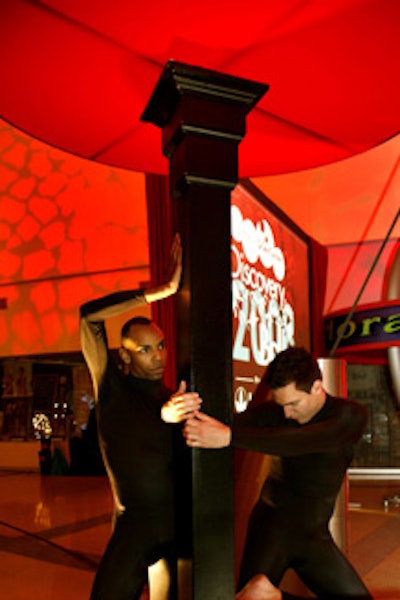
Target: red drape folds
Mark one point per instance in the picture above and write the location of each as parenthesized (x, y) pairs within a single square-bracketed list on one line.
[(318, 271), (161, 224)]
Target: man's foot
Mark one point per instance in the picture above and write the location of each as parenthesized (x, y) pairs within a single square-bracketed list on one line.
[(259, 588)]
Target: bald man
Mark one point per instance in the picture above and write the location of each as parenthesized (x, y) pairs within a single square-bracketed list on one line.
[(138, 422)]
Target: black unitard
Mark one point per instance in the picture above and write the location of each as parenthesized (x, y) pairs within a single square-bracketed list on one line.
[(138, 450), (289, 526)]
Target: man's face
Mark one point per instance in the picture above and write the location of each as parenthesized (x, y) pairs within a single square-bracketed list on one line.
[(297, 404), (147, 351)]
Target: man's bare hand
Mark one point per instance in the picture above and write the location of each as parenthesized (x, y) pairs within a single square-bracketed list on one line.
[(203, 431), (182, 405), (175, 263), (174, 275)]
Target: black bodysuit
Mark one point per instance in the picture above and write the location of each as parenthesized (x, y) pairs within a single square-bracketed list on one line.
[(138, 451), (289, 526)]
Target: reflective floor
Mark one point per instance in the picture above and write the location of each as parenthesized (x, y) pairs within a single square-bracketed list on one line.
[(53, 530), (374, 536)]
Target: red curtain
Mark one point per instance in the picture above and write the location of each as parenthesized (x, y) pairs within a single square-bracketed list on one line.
[(318, 271), (161, 224)]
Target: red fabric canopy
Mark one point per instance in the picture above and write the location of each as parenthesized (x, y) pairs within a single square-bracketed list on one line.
[(78, 75)]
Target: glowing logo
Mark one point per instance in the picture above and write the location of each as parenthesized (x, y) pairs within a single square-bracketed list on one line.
[(264, 318), (258, 242)]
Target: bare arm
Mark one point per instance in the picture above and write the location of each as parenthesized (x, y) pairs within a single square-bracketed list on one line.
[(118, 303), (172, 284)]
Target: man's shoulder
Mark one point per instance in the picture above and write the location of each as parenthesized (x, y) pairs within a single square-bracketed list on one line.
[(347, 406), (343, 401)]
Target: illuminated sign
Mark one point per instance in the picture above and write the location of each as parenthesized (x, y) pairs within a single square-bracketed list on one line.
[(371, 326), (270, 291)]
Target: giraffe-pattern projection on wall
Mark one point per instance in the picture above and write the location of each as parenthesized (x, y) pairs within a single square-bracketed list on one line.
[(70, 229)]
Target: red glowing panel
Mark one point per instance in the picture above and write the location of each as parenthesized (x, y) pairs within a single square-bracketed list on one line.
[(89, 68), (351, 272), (43, 296), (70, 230), (351, 201), (53, 328)]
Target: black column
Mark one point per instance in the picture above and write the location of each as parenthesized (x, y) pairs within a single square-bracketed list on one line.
[(202, 114)]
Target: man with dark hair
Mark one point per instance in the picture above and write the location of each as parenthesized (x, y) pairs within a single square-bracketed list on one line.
[(311, 437), (138, 425)]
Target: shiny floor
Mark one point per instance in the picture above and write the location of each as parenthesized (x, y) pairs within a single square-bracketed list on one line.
[(53, 530)]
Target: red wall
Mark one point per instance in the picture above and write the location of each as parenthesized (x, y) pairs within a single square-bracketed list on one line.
[(70, 230)]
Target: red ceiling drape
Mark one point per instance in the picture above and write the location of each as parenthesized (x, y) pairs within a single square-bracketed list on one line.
[(79, 74)]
